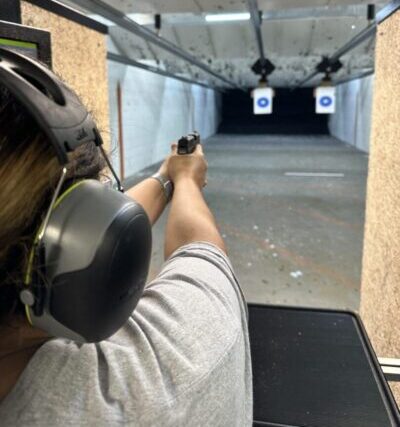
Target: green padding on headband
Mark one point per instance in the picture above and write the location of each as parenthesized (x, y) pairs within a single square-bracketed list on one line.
[(17, 43)]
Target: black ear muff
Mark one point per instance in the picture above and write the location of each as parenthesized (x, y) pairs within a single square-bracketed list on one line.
[(90, 259), (97, 255)]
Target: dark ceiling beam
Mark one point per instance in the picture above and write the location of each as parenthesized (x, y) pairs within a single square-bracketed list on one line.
[(119, 18), (263, 66), (131, 62)]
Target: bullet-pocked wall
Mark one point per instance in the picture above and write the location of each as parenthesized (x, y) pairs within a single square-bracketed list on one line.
[(351, 122), (79, 58), (151, 112), (380, 292)]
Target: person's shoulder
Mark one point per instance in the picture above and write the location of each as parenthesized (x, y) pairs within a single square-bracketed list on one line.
[(202, 250), (195, 304), (205, 265), (197, 278), (52, 381)]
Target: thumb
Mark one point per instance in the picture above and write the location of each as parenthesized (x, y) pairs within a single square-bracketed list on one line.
[(199, 149)]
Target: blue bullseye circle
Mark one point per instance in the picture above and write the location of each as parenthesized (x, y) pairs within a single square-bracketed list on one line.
[(326, 101), (263, 102)]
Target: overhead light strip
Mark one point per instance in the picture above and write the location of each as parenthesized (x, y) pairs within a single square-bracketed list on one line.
[(225, 17)]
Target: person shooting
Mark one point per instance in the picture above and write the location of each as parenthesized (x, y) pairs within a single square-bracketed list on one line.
[(83, 340)]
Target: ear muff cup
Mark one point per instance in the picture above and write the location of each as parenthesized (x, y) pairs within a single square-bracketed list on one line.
[(97, 252)]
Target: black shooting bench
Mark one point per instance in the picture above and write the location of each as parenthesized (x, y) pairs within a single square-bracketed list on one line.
[(316, 368)]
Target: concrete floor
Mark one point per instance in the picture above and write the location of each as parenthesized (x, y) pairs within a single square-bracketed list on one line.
[(292, 240)]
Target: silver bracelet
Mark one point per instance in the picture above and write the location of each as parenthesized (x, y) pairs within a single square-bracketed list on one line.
[(166, 185)]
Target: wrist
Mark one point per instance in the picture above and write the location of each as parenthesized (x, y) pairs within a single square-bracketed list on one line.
[(164, 172), (185, 181), (165, 184)]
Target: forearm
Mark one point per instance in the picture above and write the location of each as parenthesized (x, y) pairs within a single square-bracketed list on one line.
[(150, 195), (190, 220)]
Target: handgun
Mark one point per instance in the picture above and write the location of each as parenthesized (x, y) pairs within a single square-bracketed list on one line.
[(187, 144)]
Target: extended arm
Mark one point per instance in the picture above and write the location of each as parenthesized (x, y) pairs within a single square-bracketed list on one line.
[(150, 195), (190, 220)]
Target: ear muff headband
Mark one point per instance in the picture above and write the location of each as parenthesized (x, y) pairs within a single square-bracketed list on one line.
[(28, 274), (56, 108)]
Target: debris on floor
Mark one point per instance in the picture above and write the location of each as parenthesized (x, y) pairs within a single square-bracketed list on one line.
[(296, 274)]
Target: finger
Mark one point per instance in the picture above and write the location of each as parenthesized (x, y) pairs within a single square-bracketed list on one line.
[(174, 148), (199, 149)]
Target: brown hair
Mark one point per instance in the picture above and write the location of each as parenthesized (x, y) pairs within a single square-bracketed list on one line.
[(29, 171)]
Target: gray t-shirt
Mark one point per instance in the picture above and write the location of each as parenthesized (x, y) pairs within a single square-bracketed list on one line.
[(182, 359)]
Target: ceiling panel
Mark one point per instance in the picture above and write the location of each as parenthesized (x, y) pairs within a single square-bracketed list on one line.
[(331, 34), (287, 38), (225, 41)]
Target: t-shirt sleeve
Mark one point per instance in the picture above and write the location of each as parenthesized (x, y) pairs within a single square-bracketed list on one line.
[(182, 358), (197, 288), (203, 270), (190, 329), (195, 302)]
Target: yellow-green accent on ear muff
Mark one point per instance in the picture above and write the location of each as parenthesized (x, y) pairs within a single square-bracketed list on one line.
[(28, 274), (28, 314), (67, 192)]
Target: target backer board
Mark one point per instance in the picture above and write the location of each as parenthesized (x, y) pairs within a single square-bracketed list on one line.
[(262, 100), (325, 100)]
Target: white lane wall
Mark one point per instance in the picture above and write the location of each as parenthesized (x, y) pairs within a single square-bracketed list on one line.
[(352, 121), (155, 112)]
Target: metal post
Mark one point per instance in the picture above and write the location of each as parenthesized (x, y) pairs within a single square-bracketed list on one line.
[(120, 134), (256, 20), (122, 20)]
